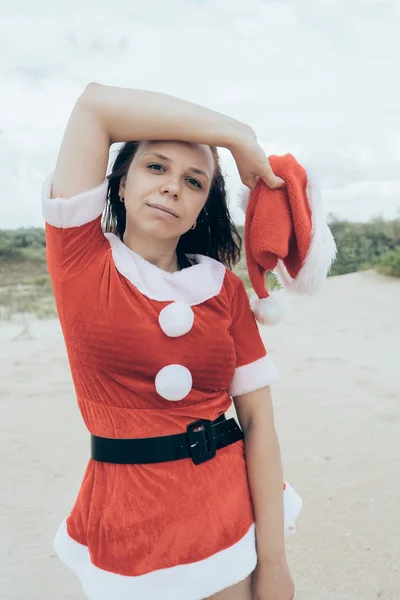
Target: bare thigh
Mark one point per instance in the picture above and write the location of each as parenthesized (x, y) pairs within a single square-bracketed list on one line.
[(240, 591)]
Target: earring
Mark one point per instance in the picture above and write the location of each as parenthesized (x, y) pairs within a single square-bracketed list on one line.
[(194, 226), (121, 199)]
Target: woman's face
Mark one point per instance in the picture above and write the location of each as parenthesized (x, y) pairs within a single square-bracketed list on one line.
[(167, 176)]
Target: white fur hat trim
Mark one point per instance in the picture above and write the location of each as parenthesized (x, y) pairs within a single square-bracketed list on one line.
[(243, 197), (269, 311), (322, 251)]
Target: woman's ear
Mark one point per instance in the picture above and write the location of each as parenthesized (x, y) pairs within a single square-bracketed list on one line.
[(122, 186)]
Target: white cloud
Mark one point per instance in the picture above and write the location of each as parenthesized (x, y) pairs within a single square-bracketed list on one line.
[(313, 78)]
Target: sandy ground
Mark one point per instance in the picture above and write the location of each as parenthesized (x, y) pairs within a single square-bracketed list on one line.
[(337, 413)]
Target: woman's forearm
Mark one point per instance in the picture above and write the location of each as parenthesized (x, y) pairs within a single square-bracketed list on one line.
[(131, 114), (264, 467)]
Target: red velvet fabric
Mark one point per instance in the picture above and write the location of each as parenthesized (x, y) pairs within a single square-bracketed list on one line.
[(139, 518)]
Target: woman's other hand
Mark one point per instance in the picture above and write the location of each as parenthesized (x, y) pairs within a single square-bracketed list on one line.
[(252, 162)]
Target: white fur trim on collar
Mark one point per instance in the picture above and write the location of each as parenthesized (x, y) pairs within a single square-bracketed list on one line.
[(322, 250), (193, 285), (75, 211)]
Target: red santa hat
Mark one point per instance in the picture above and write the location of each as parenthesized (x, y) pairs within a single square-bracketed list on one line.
[(285, 231)]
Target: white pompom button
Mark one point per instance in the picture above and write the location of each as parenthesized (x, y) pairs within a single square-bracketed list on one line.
[(176, 319), (173, 382)]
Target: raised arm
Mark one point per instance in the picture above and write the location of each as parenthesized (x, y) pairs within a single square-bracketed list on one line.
[(104, 115)]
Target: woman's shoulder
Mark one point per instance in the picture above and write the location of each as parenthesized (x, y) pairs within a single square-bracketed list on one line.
[(233, 280), (232, 283)]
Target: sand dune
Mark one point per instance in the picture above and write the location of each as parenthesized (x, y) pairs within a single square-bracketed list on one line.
[(337, 412)]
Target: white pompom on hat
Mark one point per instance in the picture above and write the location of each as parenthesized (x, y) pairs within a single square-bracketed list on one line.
[(286, 231)]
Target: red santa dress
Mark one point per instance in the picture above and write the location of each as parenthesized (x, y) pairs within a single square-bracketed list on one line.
[(150, 352)]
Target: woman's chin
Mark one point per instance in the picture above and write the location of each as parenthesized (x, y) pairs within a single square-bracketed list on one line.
[(163, 230)]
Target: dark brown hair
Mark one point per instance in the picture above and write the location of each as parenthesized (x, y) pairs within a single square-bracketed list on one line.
[(215, 234)]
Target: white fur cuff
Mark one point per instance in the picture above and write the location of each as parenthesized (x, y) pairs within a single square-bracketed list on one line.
[(255, 375), (75, 211)]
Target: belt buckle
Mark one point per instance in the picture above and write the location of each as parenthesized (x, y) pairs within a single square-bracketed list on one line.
[(201, 447)]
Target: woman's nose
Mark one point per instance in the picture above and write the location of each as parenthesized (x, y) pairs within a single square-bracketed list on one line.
[(172, 187)]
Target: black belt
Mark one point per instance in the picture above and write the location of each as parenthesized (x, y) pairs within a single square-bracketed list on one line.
[(200, 442)]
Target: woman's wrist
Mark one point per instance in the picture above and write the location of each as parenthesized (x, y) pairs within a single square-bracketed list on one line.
[(271, 547), (240, 134), (273, 557)]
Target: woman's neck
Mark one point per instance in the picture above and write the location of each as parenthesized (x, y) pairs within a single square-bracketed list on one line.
[(161, 253)]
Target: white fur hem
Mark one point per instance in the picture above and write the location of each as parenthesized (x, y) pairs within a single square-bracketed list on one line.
[(255, 375), (322, 251), (193, 581), (75, 211)]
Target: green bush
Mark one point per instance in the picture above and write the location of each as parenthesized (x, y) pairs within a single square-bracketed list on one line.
[(24, 237), (8, 251), (22, 244), (361, 245), (389, 263)]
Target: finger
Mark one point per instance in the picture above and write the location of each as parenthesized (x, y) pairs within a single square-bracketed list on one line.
[(272, 180), (277, 183)]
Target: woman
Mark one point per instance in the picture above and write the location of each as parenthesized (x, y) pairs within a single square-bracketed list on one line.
[(160, 335)]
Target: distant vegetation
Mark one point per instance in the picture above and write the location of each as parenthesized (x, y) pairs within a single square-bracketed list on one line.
[(372, 245), (25, 286)]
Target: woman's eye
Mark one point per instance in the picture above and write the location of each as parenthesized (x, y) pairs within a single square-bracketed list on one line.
[(155, 165), (195, 182)]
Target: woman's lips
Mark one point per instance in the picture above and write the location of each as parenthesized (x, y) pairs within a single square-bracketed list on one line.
[(163, 210)]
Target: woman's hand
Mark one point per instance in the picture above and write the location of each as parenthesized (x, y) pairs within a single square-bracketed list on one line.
[(272, 581), (252, 162)]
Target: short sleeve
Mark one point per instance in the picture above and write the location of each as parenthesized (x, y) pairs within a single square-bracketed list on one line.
[(74, 234), (254, 367)]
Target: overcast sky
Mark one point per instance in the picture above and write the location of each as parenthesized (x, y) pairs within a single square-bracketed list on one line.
[(315, 78)]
